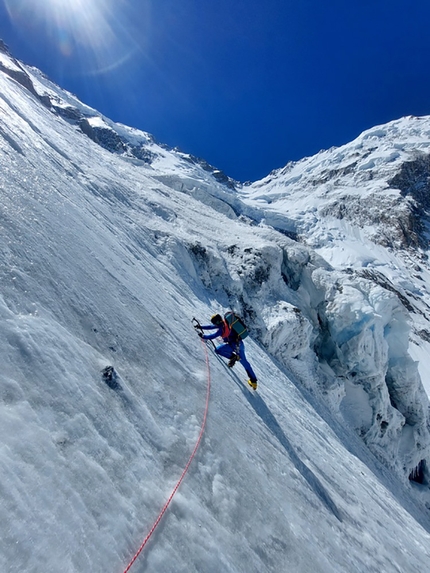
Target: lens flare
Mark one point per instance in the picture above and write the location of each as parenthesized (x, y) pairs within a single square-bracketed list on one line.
[(105, 31)]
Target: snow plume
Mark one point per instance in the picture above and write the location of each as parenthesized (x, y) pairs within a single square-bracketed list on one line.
[(110, 244)]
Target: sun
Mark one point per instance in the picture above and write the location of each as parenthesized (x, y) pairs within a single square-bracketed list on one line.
[(84, 22), (102, 30)]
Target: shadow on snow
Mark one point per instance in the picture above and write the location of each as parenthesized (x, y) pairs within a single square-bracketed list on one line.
[(267, 417)]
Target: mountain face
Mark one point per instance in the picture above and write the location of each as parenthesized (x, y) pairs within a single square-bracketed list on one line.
[(379, 183), (111, 243), (364, 208)]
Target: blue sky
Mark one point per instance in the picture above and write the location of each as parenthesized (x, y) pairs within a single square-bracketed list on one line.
[(247, 85)]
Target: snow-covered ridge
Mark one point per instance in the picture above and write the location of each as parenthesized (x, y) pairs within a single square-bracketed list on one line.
[(106, 257), (372, 182), (364, 207)]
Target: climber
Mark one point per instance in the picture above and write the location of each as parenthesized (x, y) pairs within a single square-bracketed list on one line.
[(233, 347)]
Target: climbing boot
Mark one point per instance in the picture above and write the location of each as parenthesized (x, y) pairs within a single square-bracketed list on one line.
[(253, 383)]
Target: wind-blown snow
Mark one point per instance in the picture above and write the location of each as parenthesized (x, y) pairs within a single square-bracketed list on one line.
[(106, 258)]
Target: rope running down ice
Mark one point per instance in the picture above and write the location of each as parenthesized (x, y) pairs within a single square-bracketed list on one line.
[(175, 489)]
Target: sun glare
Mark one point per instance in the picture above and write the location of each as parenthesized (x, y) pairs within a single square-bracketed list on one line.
[(99, 28)]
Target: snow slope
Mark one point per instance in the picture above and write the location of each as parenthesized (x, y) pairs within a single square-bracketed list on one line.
[(364, 206), (106, 258)]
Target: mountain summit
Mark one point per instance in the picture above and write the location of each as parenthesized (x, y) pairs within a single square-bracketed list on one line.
[(111, 243)]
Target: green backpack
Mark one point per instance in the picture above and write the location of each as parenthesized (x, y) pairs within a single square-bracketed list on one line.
[(236, 324)]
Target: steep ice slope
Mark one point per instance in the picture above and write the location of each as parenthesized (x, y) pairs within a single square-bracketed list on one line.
[(105, 260), (364, 208)]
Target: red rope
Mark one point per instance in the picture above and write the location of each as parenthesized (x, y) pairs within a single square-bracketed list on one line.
[(175, 489)]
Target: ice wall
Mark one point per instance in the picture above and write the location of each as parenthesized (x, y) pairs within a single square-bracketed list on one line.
[(339, 333)]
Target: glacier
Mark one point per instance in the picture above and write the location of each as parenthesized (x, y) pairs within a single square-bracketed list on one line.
[(111, 242)]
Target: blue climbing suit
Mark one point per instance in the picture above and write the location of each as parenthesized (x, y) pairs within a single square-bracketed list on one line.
[(231, 346)]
